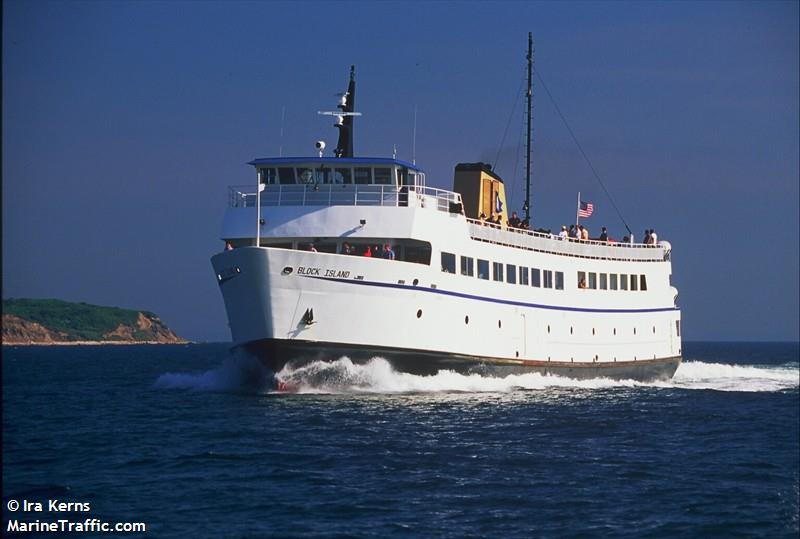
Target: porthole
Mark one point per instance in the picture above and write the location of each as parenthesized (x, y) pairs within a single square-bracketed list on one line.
[(570, 330), (634, 331), (593, 331), (654, 330), (415, 282), (517, 353), (615, 331), (466, 319), (499, 324), (548, 329), (419, 313)]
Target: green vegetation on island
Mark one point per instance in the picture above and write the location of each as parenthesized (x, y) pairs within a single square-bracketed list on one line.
[(45, 320)]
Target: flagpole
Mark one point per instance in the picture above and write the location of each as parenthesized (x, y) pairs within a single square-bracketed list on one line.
[(577, 211)]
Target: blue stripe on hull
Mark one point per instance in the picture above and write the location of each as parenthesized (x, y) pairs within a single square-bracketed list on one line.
[(488, 299)]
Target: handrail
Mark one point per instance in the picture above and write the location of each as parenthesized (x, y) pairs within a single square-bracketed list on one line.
[(558, 238), (244, 196), (550, 243)]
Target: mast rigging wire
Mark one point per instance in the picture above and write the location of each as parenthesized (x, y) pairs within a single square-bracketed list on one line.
[(510, 117), (583, 153)]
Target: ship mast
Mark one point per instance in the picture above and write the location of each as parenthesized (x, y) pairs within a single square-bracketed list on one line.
[(527, 206)]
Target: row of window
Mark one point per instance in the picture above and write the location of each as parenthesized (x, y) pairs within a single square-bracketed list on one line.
[(509, 273), (611, 281), (339, 175)]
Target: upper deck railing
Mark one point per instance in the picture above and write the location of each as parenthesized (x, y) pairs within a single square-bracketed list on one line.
[(244, 196), (550, 243)]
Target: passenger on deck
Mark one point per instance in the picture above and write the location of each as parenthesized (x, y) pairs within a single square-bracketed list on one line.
[(653, 237), (312, 248), (368, 252), (514, 220), (603, 235), (347, 249), (573, 232), (584, 232), (646, 237), (387, 252), (582, 283), (228, 246), (563, 234)]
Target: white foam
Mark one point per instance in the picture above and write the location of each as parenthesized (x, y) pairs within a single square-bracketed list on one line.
[(378, 376), (245, 373)]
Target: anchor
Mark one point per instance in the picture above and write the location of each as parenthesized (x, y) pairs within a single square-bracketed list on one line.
[(308, 317)]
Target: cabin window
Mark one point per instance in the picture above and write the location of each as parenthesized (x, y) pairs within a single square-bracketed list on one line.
[(497, 272), (342, 175), (305, 175), (592, 280), (383, 175), (581, 279), (523, 275), (418, 252), (603, 281), (559, 280), (322, 175), (467, 266), (536, 277), (623, 282), (548, 278), (511, 273), (268, 176), (325, 247), (678, 328), (286, 175), (448, 262), (483, 269), (634, 282), (613, 281), (642, 283), (363, 175)]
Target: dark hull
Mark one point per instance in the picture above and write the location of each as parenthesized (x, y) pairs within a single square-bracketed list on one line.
[(276, 354)]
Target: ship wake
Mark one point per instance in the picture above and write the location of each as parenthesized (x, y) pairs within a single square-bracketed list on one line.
[(243, 373), (378, 376)]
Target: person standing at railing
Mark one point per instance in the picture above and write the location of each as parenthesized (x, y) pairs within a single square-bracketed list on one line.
[(563, 234), (653, 237), (603, 235), (387, 252)]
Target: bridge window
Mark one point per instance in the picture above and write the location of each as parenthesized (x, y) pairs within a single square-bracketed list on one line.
[(548, 278), (342, 175), (467, 266), (268, 175), (523, 275), (383, 175), (483, 269), (511, 273), (536, 277), (448, 262), (286, 175), (497, 272), (305, 175), (559, 280), (363, 175)]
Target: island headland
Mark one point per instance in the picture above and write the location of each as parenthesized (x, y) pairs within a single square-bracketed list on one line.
[(58, 322)]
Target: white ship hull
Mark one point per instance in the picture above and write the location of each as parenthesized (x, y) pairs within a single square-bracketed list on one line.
[(365, 307)]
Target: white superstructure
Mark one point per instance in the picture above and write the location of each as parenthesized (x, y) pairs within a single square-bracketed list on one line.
[(455, 292)]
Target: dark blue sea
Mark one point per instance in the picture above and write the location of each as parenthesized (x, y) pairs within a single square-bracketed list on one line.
[(191, 441)]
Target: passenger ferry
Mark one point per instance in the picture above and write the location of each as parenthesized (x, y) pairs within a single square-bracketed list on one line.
[(331, 256)]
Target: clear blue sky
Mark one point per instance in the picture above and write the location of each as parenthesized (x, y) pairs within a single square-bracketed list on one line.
[(124, 122)]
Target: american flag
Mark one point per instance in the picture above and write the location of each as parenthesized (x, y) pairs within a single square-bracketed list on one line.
[(585, 209)]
